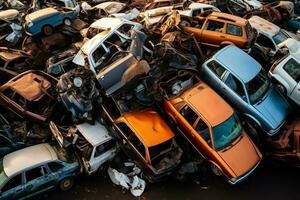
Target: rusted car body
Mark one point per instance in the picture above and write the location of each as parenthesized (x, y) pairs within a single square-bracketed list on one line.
[(15, 60), (221, 29), (286, 147), (155, 151), (30, 95), (230, 151)]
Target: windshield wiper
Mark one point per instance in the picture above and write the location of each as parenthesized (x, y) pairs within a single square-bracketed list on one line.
[(233, 143)]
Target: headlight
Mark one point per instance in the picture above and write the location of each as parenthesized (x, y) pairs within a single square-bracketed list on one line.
[(30, 24)]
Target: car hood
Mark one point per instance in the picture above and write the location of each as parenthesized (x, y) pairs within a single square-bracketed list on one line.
[(242, 157), (274, 108)]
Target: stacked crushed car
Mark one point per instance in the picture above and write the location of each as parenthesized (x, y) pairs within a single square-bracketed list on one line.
[(145, 91)]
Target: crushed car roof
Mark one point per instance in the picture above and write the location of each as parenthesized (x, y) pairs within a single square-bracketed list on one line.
[(264, 26), (31, 86), (243, 66), (204, 100), (149, 127), (28, 157), (94, 134), (111, 7)]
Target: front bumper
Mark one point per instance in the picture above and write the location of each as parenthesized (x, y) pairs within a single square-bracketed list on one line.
[(234, 181)]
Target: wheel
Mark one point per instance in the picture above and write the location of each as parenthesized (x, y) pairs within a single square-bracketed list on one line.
[(66, 183), (280, 88), (185, 23), (67, 22), (215, 170), (47, 30)]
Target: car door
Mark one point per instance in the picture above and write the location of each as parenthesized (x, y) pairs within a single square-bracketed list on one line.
[(36, 180), (102, 154), (13, 188), (234, 91), (213, 33)]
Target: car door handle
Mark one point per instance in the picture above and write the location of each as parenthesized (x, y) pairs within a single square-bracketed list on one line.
[(19, 190)]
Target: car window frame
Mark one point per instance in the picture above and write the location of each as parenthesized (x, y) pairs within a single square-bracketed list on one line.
[(244, 87), (206, 23), (211, 145), (22, 181)]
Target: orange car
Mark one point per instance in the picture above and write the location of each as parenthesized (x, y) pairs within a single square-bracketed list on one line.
[(221, 29), (213, 129), (147, 140)]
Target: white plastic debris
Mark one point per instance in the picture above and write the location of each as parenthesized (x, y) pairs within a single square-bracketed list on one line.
[(85, 6), (131, 182), (14, 36), (16, 4)]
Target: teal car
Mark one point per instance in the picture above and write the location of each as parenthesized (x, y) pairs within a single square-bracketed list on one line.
[(45, 20), (34, 170)]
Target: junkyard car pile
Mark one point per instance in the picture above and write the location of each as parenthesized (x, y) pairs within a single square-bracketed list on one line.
[(145, 91)]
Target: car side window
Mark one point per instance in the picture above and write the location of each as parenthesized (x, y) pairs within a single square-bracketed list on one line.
[(12, 183), (189, 115), (234, 30), (34, 173), (99, 54), (235, 85), (104, 148), (9, 92), (203, 130), (215, 26), (132, 138), (216, 68), (135, 141), (292, 67), (125, 29), (196, 12), (55, 166), (265, 41)]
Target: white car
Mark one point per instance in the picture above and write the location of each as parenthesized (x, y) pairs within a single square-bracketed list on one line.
[(269, 35), (93, 144), (101, 33), (286, 70)]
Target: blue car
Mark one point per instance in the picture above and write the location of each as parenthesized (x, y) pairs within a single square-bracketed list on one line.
[(245, 85), (33, 170), (45, 20)]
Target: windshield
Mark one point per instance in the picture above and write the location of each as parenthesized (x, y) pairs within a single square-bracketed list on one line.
[(280, 37), (3, 176), (258, 87), (225, 133)]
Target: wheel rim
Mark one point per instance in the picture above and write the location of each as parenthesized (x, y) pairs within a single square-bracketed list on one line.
[(216, 170), (67, 22), (48, 30), (280, 88)]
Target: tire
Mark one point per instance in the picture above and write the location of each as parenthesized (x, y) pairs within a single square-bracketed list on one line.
[(66, 183), (216, 170), (280, 88), (185, 23), (67, 22), (47, 30)]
